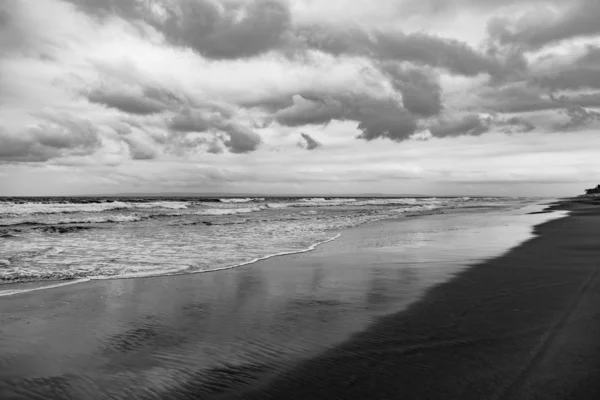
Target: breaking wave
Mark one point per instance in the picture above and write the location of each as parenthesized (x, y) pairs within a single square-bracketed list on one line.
[(12, 208), (179, 237), (242, 200), (24, 275), (73, 220)]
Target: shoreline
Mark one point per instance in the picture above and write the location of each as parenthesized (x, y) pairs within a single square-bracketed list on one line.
[(57, 284), (52, 284), (226, 334), (520, 326)]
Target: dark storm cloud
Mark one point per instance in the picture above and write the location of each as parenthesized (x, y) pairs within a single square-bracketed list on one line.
[(124, 8), (240, 139), (219, 30), (377, 118), (383, 120), (541, 27), (421, 94), (471, 125), (455, 56), (126, 102), (524, 98), (518, 97), (134, 100), (49, 140), (313, 109), (218, 33), (310, 143)]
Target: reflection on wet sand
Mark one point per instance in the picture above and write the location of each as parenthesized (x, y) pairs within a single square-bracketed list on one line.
[(212, 334)]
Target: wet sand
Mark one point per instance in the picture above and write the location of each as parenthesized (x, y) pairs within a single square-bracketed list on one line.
[(522, 326), (360, 317)]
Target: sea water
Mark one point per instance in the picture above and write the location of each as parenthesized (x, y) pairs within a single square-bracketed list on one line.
[(69, 239)]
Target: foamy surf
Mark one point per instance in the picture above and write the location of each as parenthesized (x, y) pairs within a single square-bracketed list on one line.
[(172, 237), (184, 271)]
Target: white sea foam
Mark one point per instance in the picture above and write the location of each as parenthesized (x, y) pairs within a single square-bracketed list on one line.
[(167, 246), (11, 208), (170, 205), (230, 211), (127, 272), (241, 200), (85, 219), (51, 208)]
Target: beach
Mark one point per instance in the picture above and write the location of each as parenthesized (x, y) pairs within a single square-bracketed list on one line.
[(454, 305)]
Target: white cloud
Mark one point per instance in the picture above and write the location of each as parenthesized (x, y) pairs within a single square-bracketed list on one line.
[(128, 77)]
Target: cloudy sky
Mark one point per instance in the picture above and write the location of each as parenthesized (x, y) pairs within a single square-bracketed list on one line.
[(299, 96)]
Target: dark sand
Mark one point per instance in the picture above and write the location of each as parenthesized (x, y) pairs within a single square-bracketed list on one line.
[(522, 326), (360, 318)]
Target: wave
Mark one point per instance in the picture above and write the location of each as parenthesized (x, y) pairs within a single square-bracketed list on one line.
[(170, 205), (77, 220), (231, 211), (62, 229), (31, 254), (85, 276), (326, 200), (11, 208), (242, 200), (284, 253)]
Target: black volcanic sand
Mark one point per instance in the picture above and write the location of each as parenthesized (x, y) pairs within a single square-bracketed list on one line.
[(359, 318)]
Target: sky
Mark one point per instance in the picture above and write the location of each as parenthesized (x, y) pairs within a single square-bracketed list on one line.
[(299, 97)]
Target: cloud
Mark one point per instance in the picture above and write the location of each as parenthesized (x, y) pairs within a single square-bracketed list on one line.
[(471, 125), (150, 85), (309, 142), (581, 73), (237, 30), (51, 139), (140, 149), (515, 124), (547, 25), (239, 139), (218, 30), (421, 94), (433, 7), (385, 45), (376, 117), (242, 29), (12, 37), (578, 117), (128, 100), (513, 98)]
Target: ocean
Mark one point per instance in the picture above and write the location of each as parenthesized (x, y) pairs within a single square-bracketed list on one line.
[(66, 240)]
